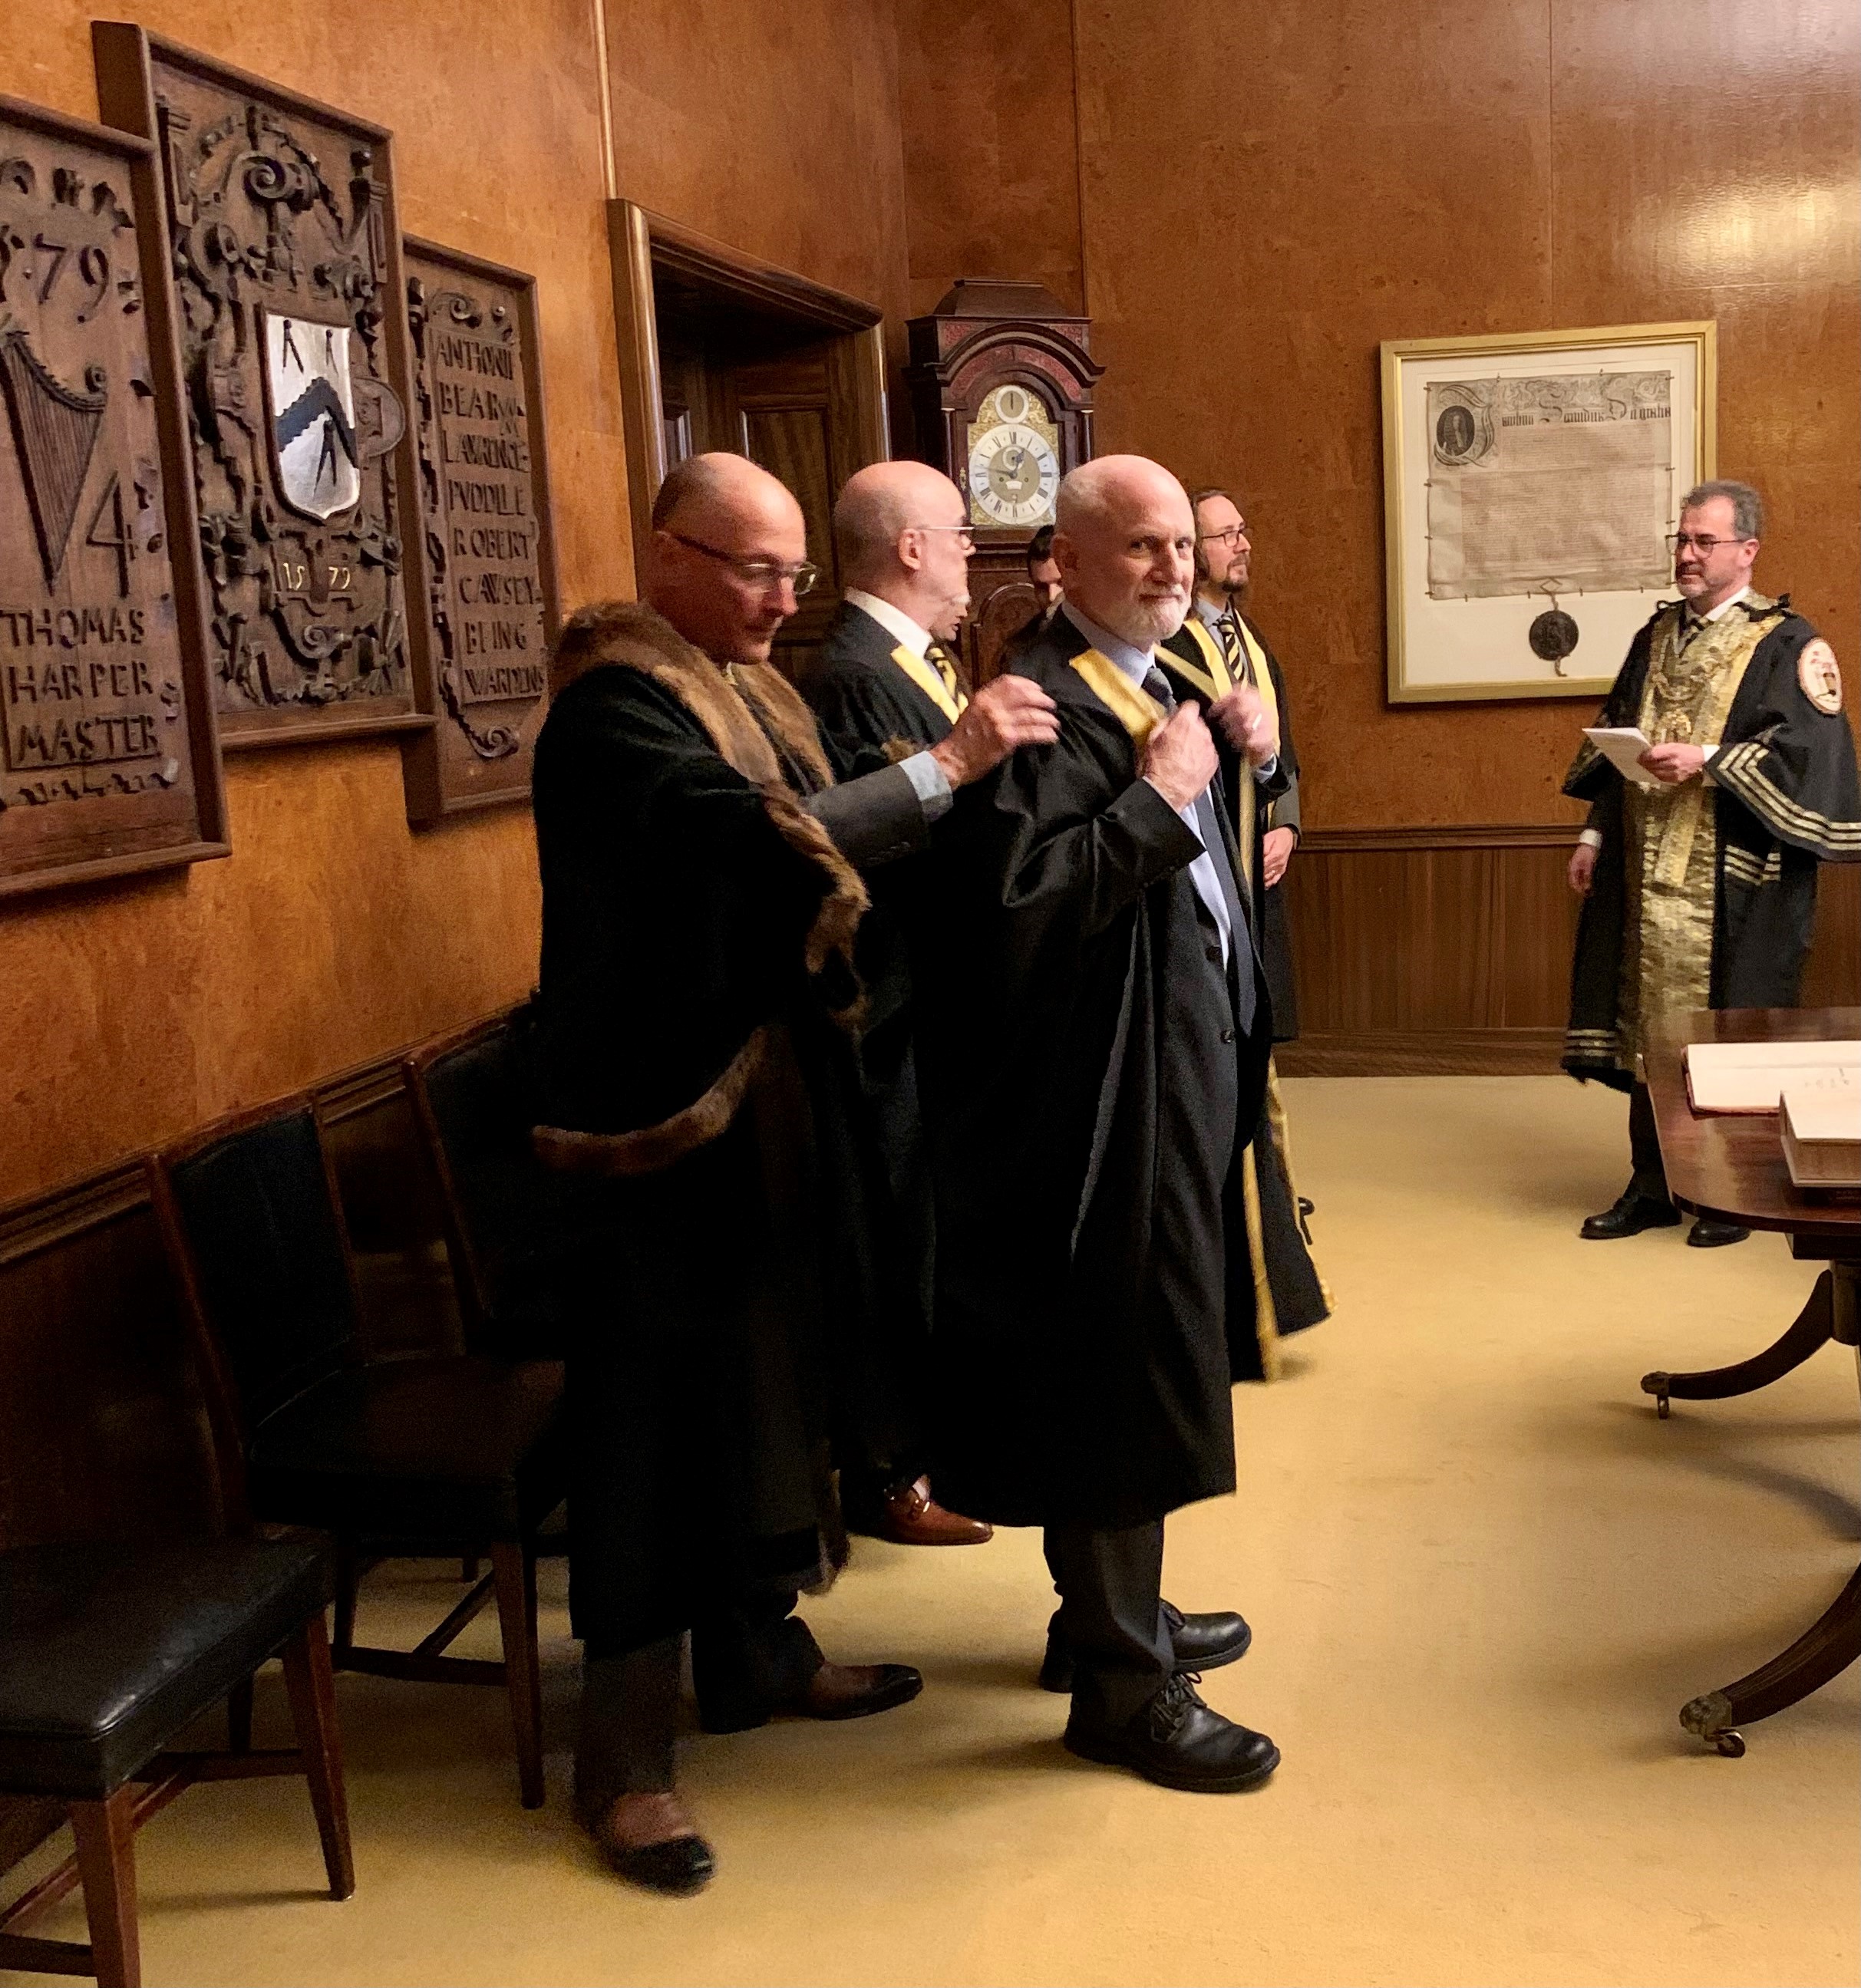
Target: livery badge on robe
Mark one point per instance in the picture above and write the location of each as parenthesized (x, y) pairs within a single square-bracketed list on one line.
[(1821, 680), (314, 444)]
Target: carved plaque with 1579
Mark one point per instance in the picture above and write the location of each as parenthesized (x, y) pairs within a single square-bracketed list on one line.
[(107, 761)]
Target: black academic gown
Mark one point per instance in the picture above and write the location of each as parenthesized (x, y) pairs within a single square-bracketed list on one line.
[(1298, 1296), (859, 692), (1785, 797), (867, 704), (1085, 1094), (695, 973)]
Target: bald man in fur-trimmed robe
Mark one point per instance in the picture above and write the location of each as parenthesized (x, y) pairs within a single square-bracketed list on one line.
[(702, 896)]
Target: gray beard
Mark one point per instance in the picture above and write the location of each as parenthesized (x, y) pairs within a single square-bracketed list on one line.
[(1146, 626)]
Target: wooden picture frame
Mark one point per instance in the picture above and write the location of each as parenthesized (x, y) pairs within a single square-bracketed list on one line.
[(483, 565), (1528, 481), (283, 296), (109, 763)]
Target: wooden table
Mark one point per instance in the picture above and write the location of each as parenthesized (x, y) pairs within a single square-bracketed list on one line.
[(1730, 1167)]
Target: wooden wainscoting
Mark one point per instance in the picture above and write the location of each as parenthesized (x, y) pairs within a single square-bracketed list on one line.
[(1421, 951)]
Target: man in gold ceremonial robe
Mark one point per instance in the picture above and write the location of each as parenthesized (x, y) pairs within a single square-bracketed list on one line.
[(1699, 887), (1216, 648)]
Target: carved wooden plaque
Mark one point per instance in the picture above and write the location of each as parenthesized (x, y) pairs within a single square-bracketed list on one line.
[(284, 289), (107, 764), (486, 556)]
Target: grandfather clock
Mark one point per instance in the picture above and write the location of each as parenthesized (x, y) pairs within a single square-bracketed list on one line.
[(1001, 388)]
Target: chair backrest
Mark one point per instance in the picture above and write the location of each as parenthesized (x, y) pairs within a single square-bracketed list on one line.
[(511, 1222), (251, 1214)]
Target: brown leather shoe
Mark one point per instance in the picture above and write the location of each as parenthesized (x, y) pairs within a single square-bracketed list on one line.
[(910, 1516), (652, 1841), (855, 1690)]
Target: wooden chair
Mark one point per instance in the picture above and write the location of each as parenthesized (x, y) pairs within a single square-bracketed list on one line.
[(511, 1222), (431, 1456), (107, 1653)]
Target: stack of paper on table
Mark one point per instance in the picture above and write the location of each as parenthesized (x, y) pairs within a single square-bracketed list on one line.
[(1750, 1077), (1820, 1122)]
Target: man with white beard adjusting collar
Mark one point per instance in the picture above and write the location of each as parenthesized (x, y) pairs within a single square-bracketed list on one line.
[(1094, 1037)]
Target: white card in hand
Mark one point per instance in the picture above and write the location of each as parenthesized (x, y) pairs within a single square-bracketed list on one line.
[(1622, 746)]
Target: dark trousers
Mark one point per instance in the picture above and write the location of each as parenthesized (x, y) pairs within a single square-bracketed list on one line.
[(748, 1659), (1111, 1614), (1650, 1180)]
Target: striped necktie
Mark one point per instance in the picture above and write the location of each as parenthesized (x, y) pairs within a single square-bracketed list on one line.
[(939, 657), (1231, 650)]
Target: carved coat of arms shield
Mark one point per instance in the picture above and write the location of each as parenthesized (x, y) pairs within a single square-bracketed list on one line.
[(314, 446)]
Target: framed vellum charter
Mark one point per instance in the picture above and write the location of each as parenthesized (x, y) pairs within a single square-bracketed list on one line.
[(1529, 484)]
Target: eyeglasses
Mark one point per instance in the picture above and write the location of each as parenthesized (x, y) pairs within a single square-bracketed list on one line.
[(1233, 536), (1702, 542), (966, 533), (767, 574)]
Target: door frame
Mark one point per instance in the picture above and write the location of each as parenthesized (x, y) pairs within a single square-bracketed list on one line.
[(640, 241)]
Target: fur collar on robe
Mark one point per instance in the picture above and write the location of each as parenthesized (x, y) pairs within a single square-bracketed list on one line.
[(639, 637), (727, 706)]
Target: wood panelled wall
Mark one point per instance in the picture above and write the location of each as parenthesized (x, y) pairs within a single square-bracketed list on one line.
[(1421, 950), (333, 932), (1247, 204)]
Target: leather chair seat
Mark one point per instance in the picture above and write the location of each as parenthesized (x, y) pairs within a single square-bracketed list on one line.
[(107, 1651), (445, 1453)]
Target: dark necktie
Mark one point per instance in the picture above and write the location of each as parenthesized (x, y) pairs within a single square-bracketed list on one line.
[(1232, 654), (1208, 825)]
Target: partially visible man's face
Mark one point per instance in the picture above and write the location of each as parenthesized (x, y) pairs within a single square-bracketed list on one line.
[(943, 561), (1706, 578), (1044, 577), (1130, 566), (1222, 532), (718, 572)]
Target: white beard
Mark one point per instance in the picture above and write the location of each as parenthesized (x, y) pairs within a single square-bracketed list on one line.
[(1146, 622)]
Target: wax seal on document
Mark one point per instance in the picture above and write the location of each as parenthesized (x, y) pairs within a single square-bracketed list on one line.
[(1553, 635)]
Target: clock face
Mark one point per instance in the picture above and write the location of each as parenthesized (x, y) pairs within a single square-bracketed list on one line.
[(1014, 465)]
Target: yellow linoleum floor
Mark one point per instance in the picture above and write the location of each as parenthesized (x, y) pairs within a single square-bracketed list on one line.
[(1483, 1579)]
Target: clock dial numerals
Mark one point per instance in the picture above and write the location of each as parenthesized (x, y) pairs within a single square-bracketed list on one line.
[(1013, 474)]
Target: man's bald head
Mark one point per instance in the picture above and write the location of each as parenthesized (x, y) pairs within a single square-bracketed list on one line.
[(1124, 539), (717, 487), (727, 539), (901, 529)]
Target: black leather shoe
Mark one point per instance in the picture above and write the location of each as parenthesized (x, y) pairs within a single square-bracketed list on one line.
[(672, 1858), (834, 1691), (1704, 1235), (1201, 1643), (678, 1867), (1177, 1742), (1629, 1216)]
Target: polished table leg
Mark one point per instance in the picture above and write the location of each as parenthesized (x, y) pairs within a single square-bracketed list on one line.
[(1812, 1330), (1828, 1647)]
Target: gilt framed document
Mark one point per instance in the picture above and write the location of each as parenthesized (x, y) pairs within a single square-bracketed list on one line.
[(1529, 484), (108, 764), (487, 560), (283, 296)]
